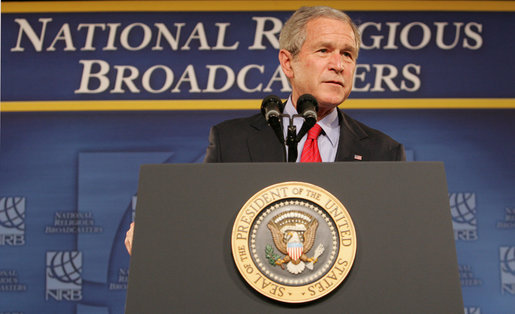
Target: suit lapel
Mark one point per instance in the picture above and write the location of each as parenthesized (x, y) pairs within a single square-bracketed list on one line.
[(350, 146), (263, 144)]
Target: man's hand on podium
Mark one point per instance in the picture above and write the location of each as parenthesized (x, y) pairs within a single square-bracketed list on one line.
[(128, 238)]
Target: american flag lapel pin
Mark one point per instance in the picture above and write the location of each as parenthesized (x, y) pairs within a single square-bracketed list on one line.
[(358, 157)]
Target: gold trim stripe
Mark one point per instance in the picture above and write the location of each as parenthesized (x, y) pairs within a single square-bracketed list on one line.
[(246, 104), (192, 6)]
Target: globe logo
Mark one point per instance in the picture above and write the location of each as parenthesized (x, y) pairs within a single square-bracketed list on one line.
[(64, 270), (463, 209), (12, 215), (508, 260)]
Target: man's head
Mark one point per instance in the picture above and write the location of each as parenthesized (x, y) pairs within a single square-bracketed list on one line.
[(293, 32), (319, 48)]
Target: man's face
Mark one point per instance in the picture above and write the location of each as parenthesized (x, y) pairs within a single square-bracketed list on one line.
[(325, 65)]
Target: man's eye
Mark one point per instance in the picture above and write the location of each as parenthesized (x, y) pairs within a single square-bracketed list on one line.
[(347, 55)]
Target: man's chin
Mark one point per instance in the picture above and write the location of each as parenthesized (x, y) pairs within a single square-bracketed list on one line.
[(329, 102), (330, 97)]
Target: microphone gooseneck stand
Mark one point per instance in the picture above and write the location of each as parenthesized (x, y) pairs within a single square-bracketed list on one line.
[(272, 108), (291, 138)]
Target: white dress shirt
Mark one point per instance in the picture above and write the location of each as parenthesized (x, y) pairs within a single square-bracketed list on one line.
[(328, 139)]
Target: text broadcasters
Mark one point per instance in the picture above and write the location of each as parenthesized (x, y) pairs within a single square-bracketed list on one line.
[(103, 75)]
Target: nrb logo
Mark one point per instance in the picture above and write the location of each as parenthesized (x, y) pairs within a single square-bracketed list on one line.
[(463, 212), (12, 221), (507, 259), (63, 275)]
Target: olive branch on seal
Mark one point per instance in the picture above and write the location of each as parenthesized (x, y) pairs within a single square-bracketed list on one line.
[(271, 256)]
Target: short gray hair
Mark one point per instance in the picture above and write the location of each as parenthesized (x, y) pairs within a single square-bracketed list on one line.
[(293, 34)]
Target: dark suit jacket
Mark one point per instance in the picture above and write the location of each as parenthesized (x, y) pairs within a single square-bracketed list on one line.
[(252, 140)]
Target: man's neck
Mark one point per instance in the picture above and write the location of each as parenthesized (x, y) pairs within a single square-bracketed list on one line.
[(323, 113)]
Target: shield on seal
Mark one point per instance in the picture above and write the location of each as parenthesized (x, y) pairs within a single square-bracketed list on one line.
[(295, 250)]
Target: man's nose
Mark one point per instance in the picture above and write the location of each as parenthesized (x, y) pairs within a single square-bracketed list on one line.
[(336, 62)]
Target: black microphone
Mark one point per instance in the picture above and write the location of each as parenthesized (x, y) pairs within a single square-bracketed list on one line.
[(272, 108), (307, 106)]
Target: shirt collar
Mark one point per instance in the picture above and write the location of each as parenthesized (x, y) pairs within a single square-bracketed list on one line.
[(330, 124)]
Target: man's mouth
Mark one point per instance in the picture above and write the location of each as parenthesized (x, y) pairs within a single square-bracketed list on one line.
[(335, 82)]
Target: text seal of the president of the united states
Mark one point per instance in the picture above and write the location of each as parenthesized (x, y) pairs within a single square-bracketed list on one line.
[(293, 242)]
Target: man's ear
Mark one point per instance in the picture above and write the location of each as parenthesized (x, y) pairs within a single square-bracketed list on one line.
[(286, 59)]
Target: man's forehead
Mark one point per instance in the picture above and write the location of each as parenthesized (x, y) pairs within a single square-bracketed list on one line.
[(321, 25), (326, 24)]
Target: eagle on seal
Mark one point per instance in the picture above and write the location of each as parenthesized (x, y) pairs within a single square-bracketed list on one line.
[(294, 234)]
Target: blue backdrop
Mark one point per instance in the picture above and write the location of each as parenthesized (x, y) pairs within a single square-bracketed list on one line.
[(62, 163)]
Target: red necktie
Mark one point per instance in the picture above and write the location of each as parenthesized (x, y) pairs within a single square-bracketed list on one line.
[(310, 151)]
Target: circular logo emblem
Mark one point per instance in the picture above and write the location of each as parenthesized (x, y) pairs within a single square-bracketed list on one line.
[(293, 242)]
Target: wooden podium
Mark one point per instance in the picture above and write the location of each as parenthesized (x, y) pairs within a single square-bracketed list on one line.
[(405, 260)]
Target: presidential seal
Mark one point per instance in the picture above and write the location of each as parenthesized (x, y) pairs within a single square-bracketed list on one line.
[(293, 242)]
